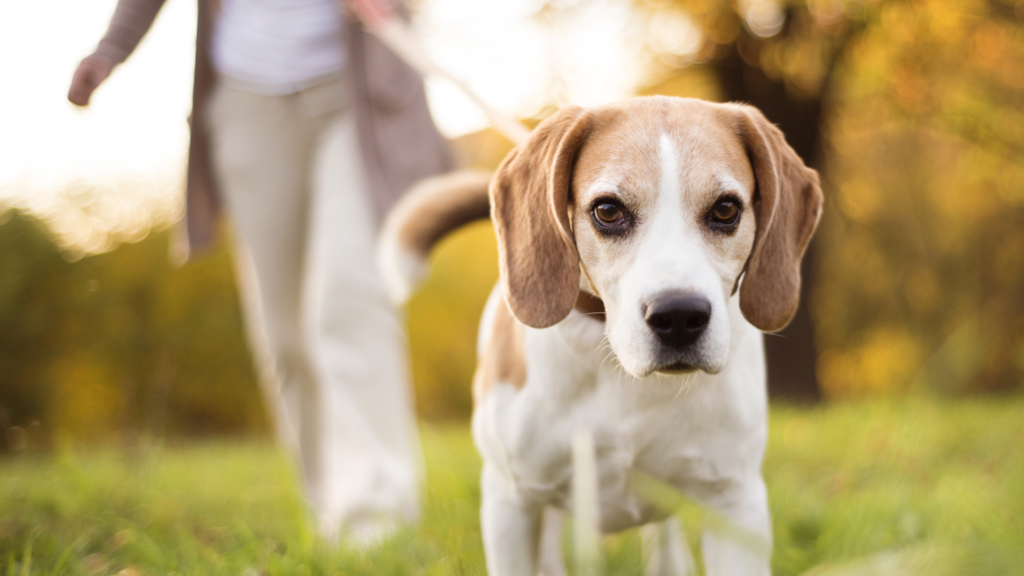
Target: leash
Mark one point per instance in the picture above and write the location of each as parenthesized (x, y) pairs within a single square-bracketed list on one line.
[(380, 20)]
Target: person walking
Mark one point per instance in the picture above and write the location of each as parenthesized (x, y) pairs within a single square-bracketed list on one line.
[(306, 129)]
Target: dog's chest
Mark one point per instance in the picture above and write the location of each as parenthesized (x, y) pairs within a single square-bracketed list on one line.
[(682, 437), (652, 433)]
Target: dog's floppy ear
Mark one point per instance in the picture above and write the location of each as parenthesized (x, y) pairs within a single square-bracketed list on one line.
[(788, 205), (537, 254)]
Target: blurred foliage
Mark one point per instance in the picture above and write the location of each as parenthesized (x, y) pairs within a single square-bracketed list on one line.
[(923, 266), (125, 343), (118, 342)]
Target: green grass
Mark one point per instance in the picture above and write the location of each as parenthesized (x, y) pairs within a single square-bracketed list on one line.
[(908, 487)]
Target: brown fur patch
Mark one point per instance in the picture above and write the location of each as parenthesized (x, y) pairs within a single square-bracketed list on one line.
[(504, 359), (790, 207), (590, 305), (539, 264), (439, 205)]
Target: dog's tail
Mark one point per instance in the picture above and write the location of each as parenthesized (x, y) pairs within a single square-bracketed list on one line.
[(430, 210)]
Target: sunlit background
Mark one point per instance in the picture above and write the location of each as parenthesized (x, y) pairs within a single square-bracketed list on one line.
[(107, 173), (111, 172), (912, 110)]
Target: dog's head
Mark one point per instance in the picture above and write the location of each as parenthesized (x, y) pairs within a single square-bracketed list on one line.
[(664, 204)]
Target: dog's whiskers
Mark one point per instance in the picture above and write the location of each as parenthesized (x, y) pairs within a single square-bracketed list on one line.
[(602, 346), (685, 384)]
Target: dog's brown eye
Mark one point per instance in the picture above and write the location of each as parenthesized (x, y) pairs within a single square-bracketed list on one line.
[(725, 211), (608, 213), (610, 218)]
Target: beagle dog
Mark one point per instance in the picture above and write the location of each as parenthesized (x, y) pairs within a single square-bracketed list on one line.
[(644, 246)]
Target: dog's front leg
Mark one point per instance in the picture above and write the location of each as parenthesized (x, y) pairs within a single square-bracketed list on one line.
[(666, 552), (549, 555), (511, 527), (743, 547)]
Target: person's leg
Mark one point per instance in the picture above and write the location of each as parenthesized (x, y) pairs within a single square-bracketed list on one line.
[(368, 445), (262, 154)]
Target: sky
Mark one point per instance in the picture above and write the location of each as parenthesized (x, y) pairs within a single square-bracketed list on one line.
[(110, 172)]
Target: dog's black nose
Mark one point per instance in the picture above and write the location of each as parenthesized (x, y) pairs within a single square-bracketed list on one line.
[(678, 318)]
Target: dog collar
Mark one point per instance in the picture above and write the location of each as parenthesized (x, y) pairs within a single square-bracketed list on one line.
[(590, 305)]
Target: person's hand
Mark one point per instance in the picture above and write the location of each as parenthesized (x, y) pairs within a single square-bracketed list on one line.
[(90, 74)]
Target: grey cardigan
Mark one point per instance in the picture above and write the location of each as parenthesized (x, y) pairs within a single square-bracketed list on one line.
[(399, 142)]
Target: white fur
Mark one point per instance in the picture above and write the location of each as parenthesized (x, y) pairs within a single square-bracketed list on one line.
[(703, 432), (401, 268), (404, 267)]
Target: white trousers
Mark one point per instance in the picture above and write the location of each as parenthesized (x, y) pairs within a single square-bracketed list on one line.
[(330, 349)]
